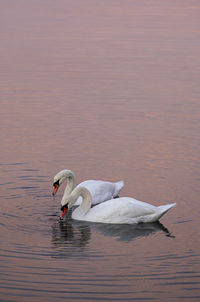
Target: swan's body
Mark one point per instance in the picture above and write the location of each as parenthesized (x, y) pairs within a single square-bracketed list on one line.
[(100, 190), (121, 210)]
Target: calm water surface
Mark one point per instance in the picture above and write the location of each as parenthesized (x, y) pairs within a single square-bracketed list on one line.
[(110, 90)]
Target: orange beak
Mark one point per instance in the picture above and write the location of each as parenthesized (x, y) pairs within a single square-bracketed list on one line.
[(63, 213), (56, 186)]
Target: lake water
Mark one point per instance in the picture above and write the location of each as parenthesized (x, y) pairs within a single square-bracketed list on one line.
[(108, 89)]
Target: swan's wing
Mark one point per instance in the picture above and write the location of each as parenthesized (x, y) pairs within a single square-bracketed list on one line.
[(100, 190), (119, 210)]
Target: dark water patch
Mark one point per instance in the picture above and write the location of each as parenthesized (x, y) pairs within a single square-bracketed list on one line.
[(25, 254), (31, 170), (12, 196), (8, 215), (31, 178), (13, 164), (183, 221), (7, 183), (24, 188), (176, 277), (196, 298), (171, 257), (179, 283)]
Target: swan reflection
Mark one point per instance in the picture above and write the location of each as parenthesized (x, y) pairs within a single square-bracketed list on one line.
[(66, 232), (129, 232), (77, 234)]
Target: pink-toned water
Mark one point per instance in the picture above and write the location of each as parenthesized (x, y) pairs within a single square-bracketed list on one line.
[(110, 90)]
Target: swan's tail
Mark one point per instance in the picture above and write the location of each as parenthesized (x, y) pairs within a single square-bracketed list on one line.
[(118, 186), (164, 209)]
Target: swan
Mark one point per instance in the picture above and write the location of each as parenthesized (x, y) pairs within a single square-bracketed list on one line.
[(123, 210), (99, 189)]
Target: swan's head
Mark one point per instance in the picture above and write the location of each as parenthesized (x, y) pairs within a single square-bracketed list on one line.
[(64, 210), (66, 204), (59, 178)]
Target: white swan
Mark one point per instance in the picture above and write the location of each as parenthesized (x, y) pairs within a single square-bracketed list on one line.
[(100, 190), (121, 210)]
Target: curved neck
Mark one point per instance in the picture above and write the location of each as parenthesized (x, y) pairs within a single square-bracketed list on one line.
[(70, 183), (86, 202)]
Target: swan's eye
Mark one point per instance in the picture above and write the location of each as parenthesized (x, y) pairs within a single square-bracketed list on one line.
[(56, 183), (64, 207), (56, 186)]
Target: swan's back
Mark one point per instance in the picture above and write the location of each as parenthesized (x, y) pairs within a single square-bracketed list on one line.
[(101, 190), (120, 210), (124, 210)]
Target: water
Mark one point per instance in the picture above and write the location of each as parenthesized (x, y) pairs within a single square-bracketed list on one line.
[(110, 90)]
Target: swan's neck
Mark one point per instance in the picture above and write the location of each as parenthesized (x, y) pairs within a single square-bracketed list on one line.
[(70, 184), (86, 202)]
